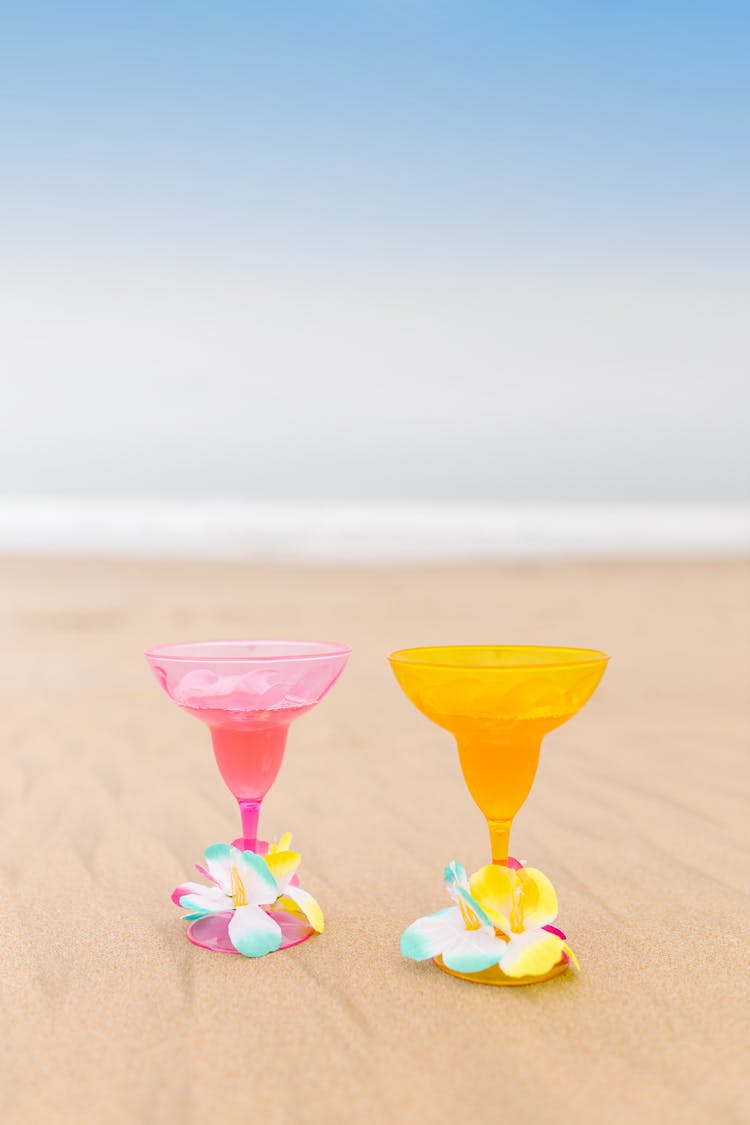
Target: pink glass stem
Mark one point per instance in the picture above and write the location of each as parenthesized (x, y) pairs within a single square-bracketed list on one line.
[(249, 812)]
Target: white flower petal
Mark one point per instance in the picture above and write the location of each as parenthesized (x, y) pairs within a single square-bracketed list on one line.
[(260, 886), (474, 950), (210, 901), (429, 936), (202, 891), (253, 933)]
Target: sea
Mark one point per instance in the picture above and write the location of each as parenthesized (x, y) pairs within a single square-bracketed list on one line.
[(366, 532)]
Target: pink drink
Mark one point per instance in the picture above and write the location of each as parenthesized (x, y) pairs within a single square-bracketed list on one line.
[(248, 746)]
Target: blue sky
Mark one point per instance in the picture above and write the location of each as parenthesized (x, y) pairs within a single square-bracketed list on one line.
[(466, 149), (589, 125)]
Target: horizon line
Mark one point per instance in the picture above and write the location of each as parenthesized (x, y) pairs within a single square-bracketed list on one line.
[(367, 530)]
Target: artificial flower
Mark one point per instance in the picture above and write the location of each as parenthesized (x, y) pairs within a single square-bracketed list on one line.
[(463, 935), (502, 917), (246, 885)]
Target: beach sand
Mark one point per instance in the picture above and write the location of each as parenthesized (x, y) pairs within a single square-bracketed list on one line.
[(108, 795)]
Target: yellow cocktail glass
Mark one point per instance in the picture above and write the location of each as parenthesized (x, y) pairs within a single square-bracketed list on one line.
[(498, 701)]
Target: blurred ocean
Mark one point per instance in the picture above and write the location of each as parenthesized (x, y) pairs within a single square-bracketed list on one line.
[(368, 532)]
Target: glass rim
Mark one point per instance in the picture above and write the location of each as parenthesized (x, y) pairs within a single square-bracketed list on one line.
[(324, 651), (585, 656)]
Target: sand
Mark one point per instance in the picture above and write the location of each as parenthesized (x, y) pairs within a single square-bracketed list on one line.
[(108, 794)]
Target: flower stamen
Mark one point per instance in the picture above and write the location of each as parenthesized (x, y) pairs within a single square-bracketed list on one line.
[(516, 914), (239, 897), (470, 919)]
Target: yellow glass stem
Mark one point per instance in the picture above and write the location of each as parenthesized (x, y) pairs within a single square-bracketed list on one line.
[(500, 840)]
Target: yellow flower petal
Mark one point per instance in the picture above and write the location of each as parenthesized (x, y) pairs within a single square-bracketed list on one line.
[(282, 866), (492, 886), (538, 901), (284, 844), (531, 954), (571, 954), (295, 898)]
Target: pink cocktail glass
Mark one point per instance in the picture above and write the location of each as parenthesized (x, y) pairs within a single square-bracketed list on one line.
[(247, 693)]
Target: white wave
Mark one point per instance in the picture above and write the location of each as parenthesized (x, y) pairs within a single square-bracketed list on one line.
[(367, 531)]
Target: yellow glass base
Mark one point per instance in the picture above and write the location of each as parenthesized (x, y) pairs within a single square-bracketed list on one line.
[(495, 975)]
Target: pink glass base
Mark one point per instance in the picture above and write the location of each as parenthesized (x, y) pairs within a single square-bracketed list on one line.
[(260, 847), (210, 932)]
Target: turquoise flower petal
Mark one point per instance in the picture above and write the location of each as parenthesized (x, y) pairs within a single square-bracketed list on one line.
[(472, 903), (219, 863), (457, 883), (253, 933), (199, 905), (455, 874), (428, 936), (477, 950)]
